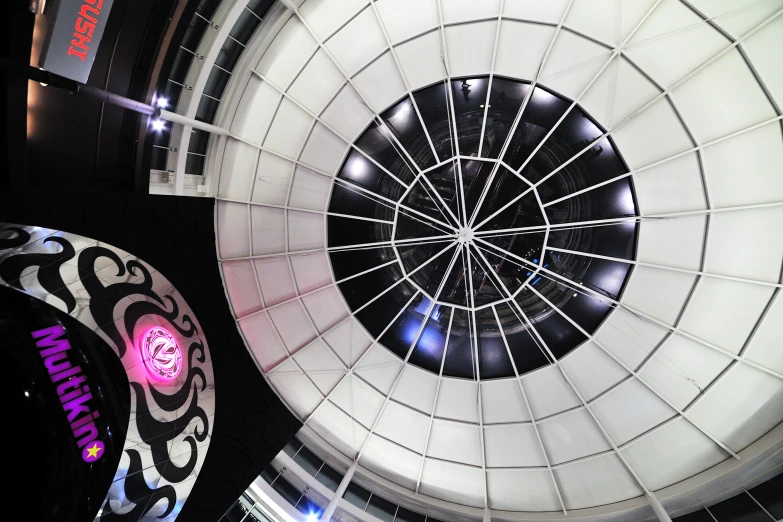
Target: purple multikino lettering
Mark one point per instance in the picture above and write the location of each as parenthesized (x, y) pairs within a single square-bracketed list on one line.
[(72, 388)]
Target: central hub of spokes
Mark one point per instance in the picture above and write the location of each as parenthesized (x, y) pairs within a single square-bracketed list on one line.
[(465, 236)]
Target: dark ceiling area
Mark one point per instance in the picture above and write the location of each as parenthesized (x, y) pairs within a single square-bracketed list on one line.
[(76, 164)]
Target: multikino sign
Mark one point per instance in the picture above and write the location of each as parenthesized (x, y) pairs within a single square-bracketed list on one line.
[(73, 390)]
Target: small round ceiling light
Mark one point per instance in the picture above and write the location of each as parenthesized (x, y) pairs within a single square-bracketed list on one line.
[(161, 354)]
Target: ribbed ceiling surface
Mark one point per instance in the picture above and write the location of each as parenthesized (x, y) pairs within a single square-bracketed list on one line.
[(514, 253)]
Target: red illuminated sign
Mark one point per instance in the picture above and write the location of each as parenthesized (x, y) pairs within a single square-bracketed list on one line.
[(85, 25)]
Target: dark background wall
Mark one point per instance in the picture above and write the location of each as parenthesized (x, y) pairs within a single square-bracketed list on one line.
[(176, 236)]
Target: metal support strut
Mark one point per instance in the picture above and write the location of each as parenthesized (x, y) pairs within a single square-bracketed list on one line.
[(329, 511)]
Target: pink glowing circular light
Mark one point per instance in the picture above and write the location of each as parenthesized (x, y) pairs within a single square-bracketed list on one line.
[(161, 353)]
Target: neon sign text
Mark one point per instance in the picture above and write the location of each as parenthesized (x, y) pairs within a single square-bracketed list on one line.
[(161, 354), (72, 388), (84, 28)]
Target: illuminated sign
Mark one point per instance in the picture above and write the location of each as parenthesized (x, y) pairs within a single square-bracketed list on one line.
[(72, 388), (75, 30), (161, 354)]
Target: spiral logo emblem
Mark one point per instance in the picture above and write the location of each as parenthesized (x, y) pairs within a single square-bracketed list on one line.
[(161, 353)]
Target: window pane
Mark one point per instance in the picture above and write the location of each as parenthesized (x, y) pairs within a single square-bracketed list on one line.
[(357, 495), (696, 516), (269, 474), (770, 495), (309, 462), (292, 447), (287, 491), (739, 509), (406, 515), (382, 509), (329, 477)]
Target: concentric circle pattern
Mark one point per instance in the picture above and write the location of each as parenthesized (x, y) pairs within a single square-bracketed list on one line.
[(513, 254), (449, 262)]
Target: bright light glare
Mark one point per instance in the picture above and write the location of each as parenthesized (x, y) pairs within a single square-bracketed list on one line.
[(163, 103), (312, 517), (158, 125)]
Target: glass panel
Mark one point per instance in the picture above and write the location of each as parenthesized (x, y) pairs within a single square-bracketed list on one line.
[(379, 145), (505, 99), (196, 29), (404, 123), (207, 108), (309, 462), (382, 509), (348, 232), (206, 8), (181, 65), (406, 515), (470, 96), (363, 288), (245, 26), (329, 477), (260, 7), (433, 107), (557, 333), (353, 202), (292, 447), (198, 141), (269, 474), (696, 516), (459, 351), (357, 495), (194, 164), (229, 54), (358, 170), (216, 82), (287, 491), (493, 356), (381, 312), (525, 349), (428, 353), (739, 509), (770, 495), (402, 334), (347, 264)]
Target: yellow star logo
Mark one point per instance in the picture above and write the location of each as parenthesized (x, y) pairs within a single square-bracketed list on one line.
[(93, 452)]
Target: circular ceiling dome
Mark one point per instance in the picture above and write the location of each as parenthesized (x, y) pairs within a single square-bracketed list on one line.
[(514, 255), (443, 259)]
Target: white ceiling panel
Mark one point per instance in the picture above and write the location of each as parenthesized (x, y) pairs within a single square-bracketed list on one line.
[(338, 429), (597, 481), (746, 244), (232, 228), (397, 19), (709, 103), (326, 307), (311, 271), (658, 293), (320, 71), (467, 10), (742, 406), (548, 393), (347, 114), (379, 367), (458, 399), (273, 176), (324, 149), (502, 401), (309, 191), (325, 17), (738, 17), (618, 92), (392, 461), (244, 298), (570, 436), (293, 325), (672, 242), (504, 486), (263, 340), (760, 49), (358, 42), (640, 147), (453, 482), (599, 19), (746, 169), (470, 47), (416, 388), (764, 346), (268, 230), (550, 12), (295, 389), (674, 186), (672, 43), (724, 312), (380, 83), (420, 60), (572, 63), (289, 129), (256, 109), (358, 399), (521, 47), (275, 279), (592, 370), (320, 363), (512, 445), (628, 337), (239, 161), (349, 340), (681, 368), (305, 231), (630, 410), (287, 54), (685, 450), (404, 426)]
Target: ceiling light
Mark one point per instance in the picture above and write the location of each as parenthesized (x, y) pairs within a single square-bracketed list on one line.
[(158, 125), (162, 103), (312, 517)]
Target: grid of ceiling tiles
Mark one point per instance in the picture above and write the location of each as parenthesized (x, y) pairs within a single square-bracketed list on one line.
[(685, 371)]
